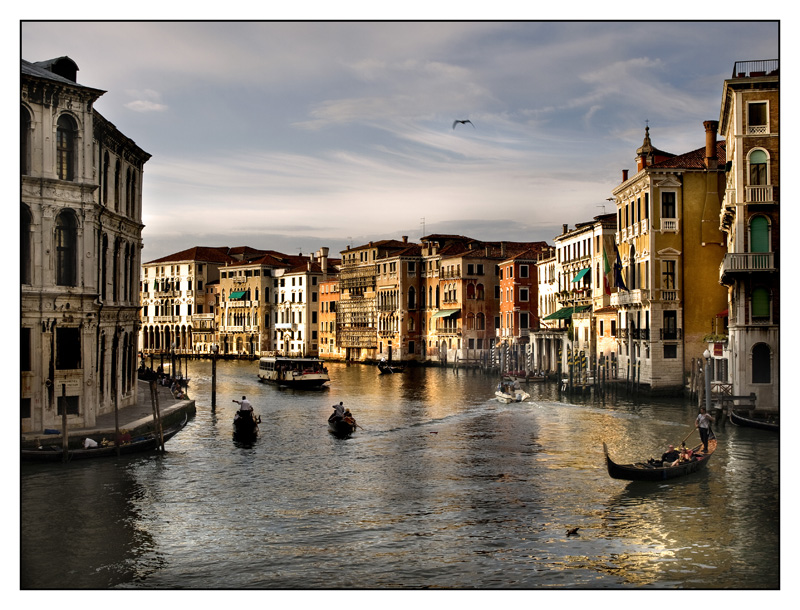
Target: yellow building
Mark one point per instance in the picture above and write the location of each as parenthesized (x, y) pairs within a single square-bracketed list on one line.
[(669, 251)]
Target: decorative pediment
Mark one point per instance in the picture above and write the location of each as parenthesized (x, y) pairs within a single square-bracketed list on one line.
[(668, 252), (667, 182)]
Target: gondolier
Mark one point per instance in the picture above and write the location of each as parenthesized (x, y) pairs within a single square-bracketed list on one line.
[(703, 424), (244, 404)]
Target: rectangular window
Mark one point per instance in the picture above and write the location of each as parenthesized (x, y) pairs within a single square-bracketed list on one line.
[(72, 405), (757, 117), (25, 350), (524, 271), (613, 328), (68, 348), (523, 294), (670, 351), (523, 320), (668, 205), (670, 329), (25, 408), (668, 275)]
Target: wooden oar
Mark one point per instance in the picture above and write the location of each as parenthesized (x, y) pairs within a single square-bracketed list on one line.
[(687, 436)]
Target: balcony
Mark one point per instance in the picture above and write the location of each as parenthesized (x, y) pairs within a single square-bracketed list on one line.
[(758, 194), (669, 295), (629, 297), (756, 68), (746, 262), (671, 334), (670, 225)]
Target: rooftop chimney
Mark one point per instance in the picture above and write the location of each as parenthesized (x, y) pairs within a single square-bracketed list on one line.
[(566, 228), (711, 143), (624, 175), (405, 239)]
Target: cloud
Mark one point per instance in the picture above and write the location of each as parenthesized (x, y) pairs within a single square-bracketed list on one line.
[(147, 100)]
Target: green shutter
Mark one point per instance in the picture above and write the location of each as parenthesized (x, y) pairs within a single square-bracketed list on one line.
[(760, 303), (759, 234)]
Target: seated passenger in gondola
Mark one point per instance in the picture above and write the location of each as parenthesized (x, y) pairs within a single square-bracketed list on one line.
[(667, 458)]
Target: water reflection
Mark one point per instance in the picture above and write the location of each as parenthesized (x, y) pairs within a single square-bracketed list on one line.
[(442, 487)]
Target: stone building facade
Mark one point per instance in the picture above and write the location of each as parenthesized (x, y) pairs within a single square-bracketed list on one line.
[(750, 123), (80, 243)]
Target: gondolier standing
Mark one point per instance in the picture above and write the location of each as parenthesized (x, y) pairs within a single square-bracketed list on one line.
[(244, 404), (703, 424)]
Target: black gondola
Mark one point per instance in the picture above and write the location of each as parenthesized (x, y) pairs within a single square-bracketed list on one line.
[(245, 424), (762, 420), (149, 442), (642, 471), (384, 368), (341, 425)]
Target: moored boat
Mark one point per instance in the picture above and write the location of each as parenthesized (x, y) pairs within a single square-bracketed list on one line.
[(761, 420), (148, 442), (644, 471), (300, 373)]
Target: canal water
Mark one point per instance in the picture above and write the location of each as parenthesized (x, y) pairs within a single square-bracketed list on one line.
[(442, 487)]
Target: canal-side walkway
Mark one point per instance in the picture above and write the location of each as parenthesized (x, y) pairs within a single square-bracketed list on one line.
[(135, 419)]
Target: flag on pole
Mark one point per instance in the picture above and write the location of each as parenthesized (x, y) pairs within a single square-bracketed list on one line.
[(606, 272), (618, 281)]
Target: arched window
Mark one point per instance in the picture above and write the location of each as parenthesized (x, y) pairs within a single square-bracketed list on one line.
[(65, 148), (470, 291), (759, 234), (479, 292), (25, 263), (24, 141), (758, 167), (412, 298), (762, 365), (66, 239), (480, 322)]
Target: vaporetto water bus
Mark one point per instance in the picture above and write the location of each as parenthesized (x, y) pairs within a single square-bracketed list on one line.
[(302, 373)]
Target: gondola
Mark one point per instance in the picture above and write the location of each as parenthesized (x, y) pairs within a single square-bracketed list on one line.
[(762, 421), (641, 471), (341, 426), (245, 424), (388, 369), (55, 453)]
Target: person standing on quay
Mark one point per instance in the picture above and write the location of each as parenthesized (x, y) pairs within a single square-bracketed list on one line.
[(703, 424)]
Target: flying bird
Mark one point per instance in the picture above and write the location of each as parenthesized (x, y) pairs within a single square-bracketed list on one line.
[(464, 122)]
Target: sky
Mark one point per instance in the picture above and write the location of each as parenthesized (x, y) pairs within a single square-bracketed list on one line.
[(291, 136)]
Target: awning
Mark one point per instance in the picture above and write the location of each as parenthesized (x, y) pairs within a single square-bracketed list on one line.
[(580, 275), (566, 312), (236, 295), (445, 313), (561, 314)]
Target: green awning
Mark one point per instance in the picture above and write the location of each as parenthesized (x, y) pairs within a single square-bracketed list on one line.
[(561, 314), (236, 295), (445, 313), (580, 275), (566, 312)]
